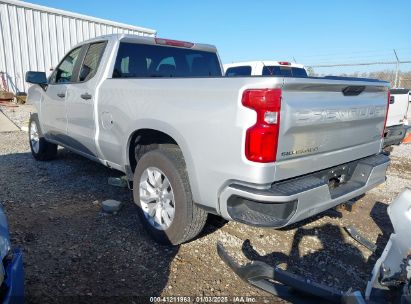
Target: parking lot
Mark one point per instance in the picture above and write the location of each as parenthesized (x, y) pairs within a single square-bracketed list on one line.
[(71, 248)]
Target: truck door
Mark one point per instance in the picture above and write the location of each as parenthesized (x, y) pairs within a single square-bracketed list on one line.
[(81, 125), (53, 107)]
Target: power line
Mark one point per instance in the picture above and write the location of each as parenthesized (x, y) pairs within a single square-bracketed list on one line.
[(350, 58), (350, 61), (355, 64), (355, 52), (349, 55)]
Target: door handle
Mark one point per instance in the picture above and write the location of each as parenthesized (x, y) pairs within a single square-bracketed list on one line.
[(86, 96), (61, 95)]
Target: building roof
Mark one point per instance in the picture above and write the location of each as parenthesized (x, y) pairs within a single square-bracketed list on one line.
[(77, 16)]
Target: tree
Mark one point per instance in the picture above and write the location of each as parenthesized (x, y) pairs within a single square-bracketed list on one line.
[(311, 72)]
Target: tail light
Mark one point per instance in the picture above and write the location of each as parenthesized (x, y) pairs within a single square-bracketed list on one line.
[(386, 114), (284, 63), (262, 138), (170, 42)]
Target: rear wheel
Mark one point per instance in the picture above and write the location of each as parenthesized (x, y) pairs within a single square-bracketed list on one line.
[(162, 193), (41, 149)]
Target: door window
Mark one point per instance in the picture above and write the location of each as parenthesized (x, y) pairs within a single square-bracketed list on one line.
[(91, 61), (64, 71)]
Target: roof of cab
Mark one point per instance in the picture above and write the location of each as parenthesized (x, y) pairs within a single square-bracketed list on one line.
[(144, 40), (263, 62)]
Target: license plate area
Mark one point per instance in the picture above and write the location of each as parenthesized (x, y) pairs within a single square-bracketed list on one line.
[(337, 176)]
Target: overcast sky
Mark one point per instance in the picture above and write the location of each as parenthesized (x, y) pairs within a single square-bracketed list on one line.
[(312, 32)]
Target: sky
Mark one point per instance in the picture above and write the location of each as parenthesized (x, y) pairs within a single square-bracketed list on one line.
[(310, 32)]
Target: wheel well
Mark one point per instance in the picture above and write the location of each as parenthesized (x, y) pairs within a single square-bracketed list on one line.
[(144, 140)]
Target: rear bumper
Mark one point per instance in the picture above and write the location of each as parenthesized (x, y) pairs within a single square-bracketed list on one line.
[(298, 198), (394, 135)]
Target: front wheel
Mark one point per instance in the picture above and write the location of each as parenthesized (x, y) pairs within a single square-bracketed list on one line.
[(162, 193), (40, 148)]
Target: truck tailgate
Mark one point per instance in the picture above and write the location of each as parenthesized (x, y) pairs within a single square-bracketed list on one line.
[(328, 122)]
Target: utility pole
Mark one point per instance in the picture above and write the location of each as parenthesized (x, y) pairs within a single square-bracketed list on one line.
[(397, 70)]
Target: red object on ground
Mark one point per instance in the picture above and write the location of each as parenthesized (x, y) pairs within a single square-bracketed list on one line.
[(407, 139), (8, 104)]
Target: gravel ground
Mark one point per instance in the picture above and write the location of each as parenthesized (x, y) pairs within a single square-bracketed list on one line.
[(72, 249), (19, 114)]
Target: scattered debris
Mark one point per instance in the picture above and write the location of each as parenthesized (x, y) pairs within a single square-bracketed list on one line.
[(111, 206), (281, 282), (348, 206), (360, 239), (391, 276), (21, 97), (118, 181)]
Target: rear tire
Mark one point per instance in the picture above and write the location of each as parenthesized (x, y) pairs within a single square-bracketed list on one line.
[(40, 148), (167, 167)]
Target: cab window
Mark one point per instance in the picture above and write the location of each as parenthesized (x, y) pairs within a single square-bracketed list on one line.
[(91, 61)]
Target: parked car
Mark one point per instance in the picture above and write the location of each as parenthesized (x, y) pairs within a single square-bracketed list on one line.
[(11, 267), (265, 68), (265, 151), (397, 123)]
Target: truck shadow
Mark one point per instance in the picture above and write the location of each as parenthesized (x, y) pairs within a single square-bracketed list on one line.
[(73, 252), (380, 217)]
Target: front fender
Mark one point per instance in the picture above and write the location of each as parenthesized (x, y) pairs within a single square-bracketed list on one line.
[(34, 97)]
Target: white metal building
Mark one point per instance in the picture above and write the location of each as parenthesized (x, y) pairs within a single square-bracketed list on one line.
[(34, 37)]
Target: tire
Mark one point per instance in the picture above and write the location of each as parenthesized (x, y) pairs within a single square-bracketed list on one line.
[(40, 148), (188, 219)]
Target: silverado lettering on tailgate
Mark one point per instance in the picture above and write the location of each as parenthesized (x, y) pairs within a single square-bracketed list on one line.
[(332, 115)]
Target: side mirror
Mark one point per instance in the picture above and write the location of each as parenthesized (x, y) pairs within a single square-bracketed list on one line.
[(39, 78), (36, 77)]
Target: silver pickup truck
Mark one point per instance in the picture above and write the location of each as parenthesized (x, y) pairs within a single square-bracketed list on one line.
[(266, 151)]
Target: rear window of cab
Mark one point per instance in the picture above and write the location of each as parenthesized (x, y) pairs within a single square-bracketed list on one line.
[(244, 70), (284, 71), (144, 60)]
